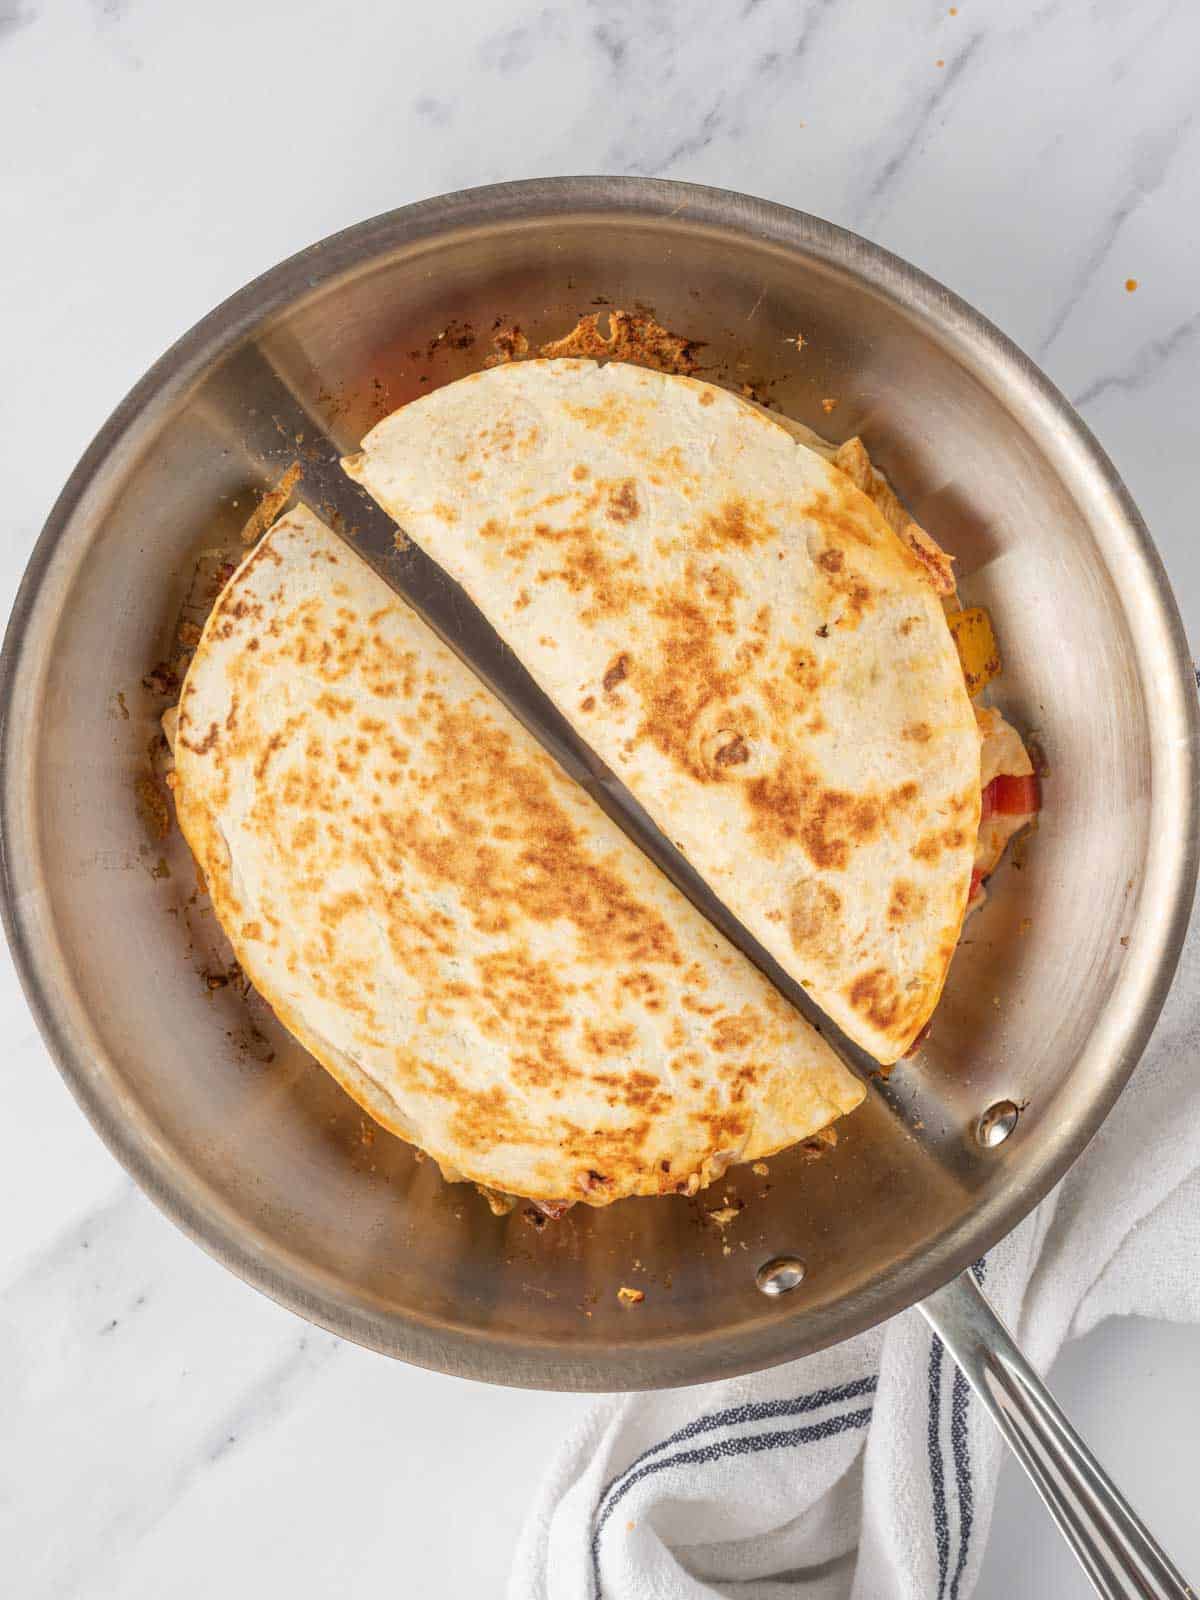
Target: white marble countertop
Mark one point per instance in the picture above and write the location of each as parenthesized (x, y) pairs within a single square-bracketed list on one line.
[(164, 1430)]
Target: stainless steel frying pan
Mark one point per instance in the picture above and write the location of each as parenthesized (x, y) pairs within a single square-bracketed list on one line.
[(258, 1155)]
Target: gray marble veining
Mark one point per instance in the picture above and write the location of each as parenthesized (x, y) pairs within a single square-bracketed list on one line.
[(164, 1430)]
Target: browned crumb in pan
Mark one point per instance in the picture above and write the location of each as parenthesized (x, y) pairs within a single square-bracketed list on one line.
[(633, 336), (498, 1204), (724, 1215), (152, 806), (819, 1144), (508, 343), (271, 504), (162, 678)]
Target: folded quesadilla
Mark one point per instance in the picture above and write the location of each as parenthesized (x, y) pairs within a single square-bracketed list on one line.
[(741, 633), (449, 924)]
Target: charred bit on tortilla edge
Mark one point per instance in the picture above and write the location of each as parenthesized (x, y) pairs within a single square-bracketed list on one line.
[(852, 459)]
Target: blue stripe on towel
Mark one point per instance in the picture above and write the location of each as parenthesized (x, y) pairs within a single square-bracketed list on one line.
[(616, 1490)]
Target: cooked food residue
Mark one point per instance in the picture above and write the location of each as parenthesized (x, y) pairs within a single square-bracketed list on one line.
[(975, 642), (724, 1215), (152, 806), (508, 344), (270, 505), (633, 336)]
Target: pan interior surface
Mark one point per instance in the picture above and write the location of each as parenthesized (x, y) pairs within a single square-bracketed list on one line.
[(248, 1144)]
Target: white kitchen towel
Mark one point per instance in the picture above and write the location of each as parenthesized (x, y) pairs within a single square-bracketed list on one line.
[(870, 1470)]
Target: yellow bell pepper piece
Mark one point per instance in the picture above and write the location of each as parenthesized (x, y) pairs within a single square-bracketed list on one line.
[(976, 644)]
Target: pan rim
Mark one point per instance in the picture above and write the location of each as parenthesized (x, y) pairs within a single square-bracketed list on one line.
[(1118, 1040)]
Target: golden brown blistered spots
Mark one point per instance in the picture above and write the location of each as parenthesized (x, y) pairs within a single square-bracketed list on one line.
[(805, 670), (640, 1091), (485, 1117), (690, 1003), (845, 583), (906, 904), (683, 682), (706, 397), (609, 1041), (610, 417), (727, 1129), (814, 917), (335, 910), (736, 1033), (874, 994), (694, 713), (305, 835), (504, 437), (579, 473), (733, 754), (612, 588), (791, 804), (617, 673), (623, 502), (907, 626), (918, 732), (739, 523), (203, 746), (588, 703), (931, 845), (523, 599), (480, 781), (722, 588)]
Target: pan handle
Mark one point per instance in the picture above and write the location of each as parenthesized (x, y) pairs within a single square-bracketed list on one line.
[(1113, 1545)]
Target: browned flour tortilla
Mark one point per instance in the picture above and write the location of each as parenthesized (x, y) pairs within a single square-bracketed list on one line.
[(739, 633), (451, 926)]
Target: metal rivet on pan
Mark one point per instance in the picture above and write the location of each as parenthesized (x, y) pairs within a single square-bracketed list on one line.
[(996, 1123), (780, 1275)]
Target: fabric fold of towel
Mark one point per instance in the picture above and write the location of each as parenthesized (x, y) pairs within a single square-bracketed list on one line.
[(869, 1470)]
